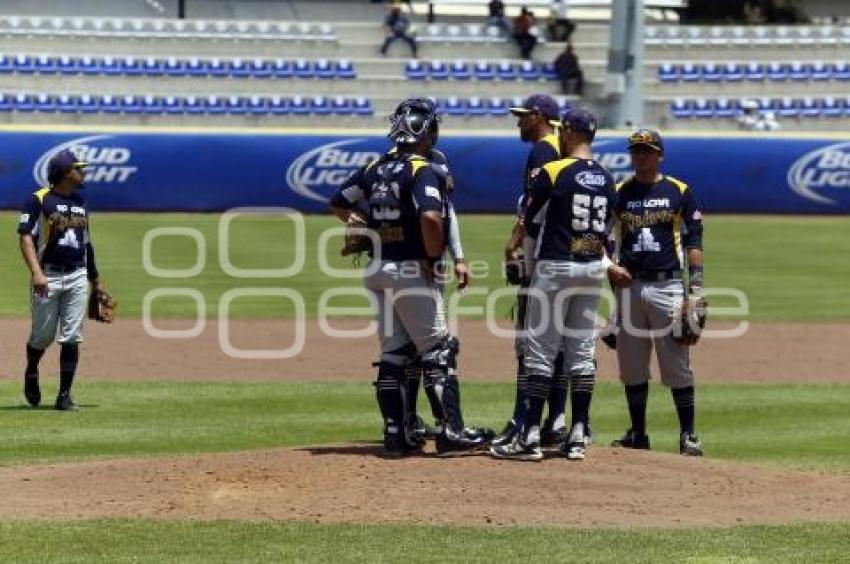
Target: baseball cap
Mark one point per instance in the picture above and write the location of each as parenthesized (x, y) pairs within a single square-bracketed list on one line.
[(648, 137), (61, 163), (544, 104), (578, 119)]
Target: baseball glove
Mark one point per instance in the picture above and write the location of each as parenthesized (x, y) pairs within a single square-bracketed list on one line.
[(356, 241), (102, 306), (515, 270), (690, 320)]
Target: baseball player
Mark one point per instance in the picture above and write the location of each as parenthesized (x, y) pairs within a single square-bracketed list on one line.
[(659, 230), (56, 247), (537, 119), (406, 198), (573, 199)]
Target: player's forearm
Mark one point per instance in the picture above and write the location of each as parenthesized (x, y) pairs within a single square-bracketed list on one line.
[(29, 255), (432, 233), (341, 213), (455, 247), (695, 268)]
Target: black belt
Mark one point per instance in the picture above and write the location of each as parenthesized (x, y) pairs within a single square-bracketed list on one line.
[(64, 268), (658, 275)]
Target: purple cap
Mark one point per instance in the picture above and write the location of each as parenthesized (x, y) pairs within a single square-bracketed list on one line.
[(543, 104), (579, 120), (647, 137), (61, 163)]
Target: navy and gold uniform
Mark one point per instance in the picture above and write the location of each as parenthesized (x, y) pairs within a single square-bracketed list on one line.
[(544, 151), (658, 223)]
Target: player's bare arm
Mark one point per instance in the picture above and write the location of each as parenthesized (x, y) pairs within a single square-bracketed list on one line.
[(39, 280)]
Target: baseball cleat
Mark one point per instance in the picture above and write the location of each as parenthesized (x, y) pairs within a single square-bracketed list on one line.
[(690, 445), (32, 391), (64, 402), (466, 442), (506, 436), (632, 440), (588, 435), (420, 431), (574, 448), (552, 437), (517, 450)]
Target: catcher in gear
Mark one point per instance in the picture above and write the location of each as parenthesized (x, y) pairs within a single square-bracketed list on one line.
[(659, 224), (406, 197), (56, 246)]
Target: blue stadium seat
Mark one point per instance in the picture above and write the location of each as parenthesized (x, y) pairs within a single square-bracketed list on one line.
[(110, 66), (6, 64), (214, 105), (236, 105), (324, 69), (704, 108), (437, 70), (799, 71), (193, 105), (345, 69), (414, 70), (776, 71), (497, 106), (303, 69), (341, 106), (484, 70), (281, 68), (505, 70), (130, 104), (174, 67), (44, 103), (172, 105), (820, 71), (789, 107), (237, 68), (23, 64), (840, 70), (88, 104), (682, 108), (459, 70), (88, 65), (151, 104), (711, 72), (475, 107), (298, 106), (131, 66), (363, 106), (529, 71), (66, 103), (754, 71), (24, 102), (194, 67), (726, 108), (152, 66), (846, 100), (454, 106), (732, 72), (260, 68), (691, 72), (257, 106), (107, 104), (6, 104), (668, 72), (215, 67), (549, 72), (45, 65), (278, 106), (832, 107), (320, 105), (811, 107)]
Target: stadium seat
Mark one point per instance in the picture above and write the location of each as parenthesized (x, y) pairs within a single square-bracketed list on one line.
[(45, 65), (414, 70), (548, 71), (505, 70), (109, 66), (6, 64), (172, 105), (454, 106), (832, 107), (65, 103), (174, 67), (682, 109), (130, 104), (23, 64), (130, 66), (497, 106), (256, 106), (193, 105), (668, 72), (825, 35), (323, 69), (320, 105), (236, 105), (691, 72), (437, 70), (433, 33), (459, 70), (759, 36), (811, 107), (341, 106), (726, 108), (107, 104), (704, 108), (475, 33), (87, 104), (695, 37), (303, 69), (151, 104), (732, 72), (278, 106), (804, 36), (754, 71), (846, 102), (776, 71), (215, 67), (711, 72), (475, 107), (672, 36), (738, 36), (717, 36), (44, 103), (298, 106), (345, 69), (840, 70), (788, 107), (651, 35), (799, 71), (281, 68), (152, 67), (782, 36), (820, 71), (214, 105), (363, 106), (454, 34), (529, 71), (237, 68), (6, 104), (484, 70)]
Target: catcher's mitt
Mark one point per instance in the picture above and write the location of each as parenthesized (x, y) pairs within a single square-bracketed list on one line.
[(356, 241), (102, 306), (690, 320)]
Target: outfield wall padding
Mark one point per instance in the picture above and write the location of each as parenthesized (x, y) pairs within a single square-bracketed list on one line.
[(208, 171)]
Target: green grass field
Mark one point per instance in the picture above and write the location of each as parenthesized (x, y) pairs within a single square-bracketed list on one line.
[(789, 268)]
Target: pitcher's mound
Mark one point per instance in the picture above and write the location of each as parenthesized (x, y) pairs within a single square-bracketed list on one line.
[(351, 483)]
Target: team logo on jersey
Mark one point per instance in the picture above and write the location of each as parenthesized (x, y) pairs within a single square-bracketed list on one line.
[(821, 170), (590, 179), (318, 173), (108, 163)]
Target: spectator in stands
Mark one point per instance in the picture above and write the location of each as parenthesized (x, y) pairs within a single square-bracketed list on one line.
[(397, 26), (496, 16), (561, 27), (524, 32), (569, 71)]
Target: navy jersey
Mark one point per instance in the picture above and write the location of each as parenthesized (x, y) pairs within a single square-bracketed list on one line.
[(657, 222), (59, 226), (542, 152), (573, 199), (397, 189)]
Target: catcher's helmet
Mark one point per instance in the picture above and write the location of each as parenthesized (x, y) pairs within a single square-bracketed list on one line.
[(412, 119)]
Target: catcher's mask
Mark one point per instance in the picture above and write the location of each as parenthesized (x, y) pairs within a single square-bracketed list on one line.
[(412, 120)]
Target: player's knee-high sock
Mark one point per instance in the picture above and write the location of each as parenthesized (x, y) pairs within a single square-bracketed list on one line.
[(69, 355), (637, 396), (536, 390), (684, 400), (581, 393), (412, 375), (519, 403), (33, 358), (558, 395)]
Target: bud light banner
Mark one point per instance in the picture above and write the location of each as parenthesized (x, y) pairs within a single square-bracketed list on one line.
[(214, 171)]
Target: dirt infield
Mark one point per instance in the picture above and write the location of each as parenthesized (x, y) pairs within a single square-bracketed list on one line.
[(350, 484), (768, 352)]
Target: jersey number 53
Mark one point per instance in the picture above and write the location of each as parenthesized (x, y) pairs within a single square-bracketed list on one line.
[(583, 205)]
